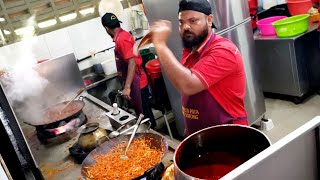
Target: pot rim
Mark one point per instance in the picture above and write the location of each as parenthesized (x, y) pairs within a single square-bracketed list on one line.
[(93, 125)]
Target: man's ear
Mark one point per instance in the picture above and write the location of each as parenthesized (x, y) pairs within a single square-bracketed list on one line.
[(210, 20)]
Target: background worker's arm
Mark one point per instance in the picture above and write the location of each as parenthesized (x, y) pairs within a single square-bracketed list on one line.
[(131, 71)]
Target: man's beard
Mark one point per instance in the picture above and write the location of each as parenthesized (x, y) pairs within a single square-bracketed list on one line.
[(110, 34), (193, 41)]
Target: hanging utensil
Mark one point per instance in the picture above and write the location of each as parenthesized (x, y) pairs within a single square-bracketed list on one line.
[(79, 92), (132, 136)]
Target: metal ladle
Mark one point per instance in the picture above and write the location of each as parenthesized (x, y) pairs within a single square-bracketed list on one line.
[(117, 132), (124, 156)]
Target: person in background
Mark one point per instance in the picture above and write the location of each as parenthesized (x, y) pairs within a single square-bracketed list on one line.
[(210, 75), (129, 68), (253, 6), (316, 4)]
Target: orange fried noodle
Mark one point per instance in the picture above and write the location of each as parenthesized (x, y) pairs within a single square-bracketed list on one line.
[(141, 157)]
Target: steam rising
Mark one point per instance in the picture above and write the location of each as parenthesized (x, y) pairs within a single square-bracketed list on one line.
[(22, 84)]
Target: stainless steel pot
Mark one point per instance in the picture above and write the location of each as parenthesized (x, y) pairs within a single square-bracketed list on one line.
[(217, 150)]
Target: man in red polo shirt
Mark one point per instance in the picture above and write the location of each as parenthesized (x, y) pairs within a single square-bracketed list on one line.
[(129, 68), (210, 76)]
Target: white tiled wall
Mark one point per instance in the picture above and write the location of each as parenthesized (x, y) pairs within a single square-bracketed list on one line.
[(58, 42), (89, 36), (40, 49), (81, 39)]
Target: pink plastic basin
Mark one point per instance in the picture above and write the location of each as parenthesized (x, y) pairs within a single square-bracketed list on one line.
[(265, 25)]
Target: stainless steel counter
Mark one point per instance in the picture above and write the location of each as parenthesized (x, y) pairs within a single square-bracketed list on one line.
[(55, 156), (287, 65)]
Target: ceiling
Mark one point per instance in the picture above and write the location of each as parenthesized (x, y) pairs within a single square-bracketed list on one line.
[(15, 14)]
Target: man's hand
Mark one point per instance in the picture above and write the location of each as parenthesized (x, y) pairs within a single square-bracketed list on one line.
[(160, 31), (126, 93)]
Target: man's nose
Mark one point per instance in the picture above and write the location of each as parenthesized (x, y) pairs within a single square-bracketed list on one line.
[(186, 26)]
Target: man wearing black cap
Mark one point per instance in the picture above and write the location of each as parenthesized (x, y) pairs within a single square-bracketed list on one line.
[(129, 67), (210, 75)]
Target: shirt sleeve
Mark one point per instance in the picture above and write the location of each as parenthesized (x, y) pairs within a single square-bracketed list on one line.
[(215, 65), (125, 48)]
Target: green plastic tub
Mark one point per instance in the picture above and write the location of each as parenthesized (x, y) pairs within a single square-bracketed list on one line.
[(292, 26), (146, 56)]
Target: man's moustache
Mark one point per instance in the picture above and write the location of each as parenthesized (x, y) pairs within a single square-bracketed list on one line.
[(188, 33)]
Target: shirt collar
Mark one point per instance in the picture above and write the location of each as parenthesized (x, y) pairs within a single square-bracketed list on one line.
[(116, 34), (200, 48)]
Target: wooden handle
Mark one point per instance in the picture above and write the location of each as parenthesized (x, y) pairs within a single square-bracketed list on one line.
[(79, 92)]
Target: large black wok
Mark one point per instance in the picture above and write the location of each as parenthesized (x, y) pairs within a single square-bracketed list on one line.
[(56, 113), (57, 116), (157, 141)]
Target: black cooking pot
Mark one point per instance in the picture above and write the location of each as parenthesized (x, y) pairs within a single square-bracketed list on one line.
[(54, 115), (215, 151), (157, 141)]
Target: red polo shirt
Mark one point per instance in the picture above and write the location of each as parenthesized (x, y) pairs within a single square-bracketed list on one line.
[(221, 71), (124, 44)]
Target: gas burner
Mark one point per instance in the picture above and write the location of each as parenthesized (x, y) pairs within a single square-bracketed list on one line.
[(61, 130)]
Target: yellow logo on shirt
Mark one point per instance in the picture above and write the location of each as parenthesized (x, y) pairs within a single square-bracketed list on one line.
[(190, 113)]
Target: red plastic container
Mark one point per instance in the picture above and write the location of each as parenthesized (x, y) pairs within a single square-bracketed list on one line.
[(265, 25), (154, 69), (299, 7)]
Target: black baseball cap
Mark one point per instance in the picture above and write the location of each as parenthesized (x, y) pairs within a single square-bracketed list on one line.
[(109, 20), (202, 6)]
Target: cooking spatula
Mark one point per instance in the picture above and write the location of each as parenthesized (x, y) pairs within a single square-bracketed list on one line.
[(132, 136), (79, 92)]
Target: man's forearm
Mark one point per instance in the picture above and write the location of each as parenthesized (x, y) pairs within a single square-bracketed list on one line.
[(181, 77), (131, 72)]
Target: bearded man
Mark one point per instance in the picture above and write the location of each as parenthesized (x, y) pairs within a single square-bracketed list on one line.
[(210, 75)]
